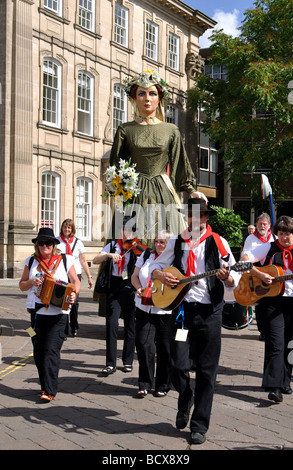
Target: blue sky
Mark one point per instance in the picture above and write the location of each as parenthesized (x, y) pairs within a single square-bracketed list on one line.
[(228, 14)]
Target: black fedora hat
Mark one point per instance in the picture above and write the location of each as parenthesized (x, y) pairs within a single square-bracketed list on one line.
[(46, 234), (203, 207)]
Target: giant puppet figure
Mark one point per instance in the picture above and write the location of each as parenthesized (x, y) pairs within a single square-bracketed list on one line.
[(156, 148)]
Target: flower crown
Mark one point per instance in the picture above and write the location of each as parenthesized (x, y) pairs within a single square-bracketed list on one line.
[(146, 79)]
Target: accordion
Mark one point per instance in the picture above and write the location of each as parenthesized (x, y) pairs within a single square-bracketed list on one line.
[(55, 292)]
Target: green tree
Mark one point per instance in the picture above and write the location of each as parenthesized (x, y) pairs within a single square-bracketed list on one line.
[(227, 224), (249, 113)]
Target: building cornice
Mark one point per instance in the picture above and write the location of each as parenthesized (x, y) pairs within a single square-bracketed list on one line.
[(188, 14)]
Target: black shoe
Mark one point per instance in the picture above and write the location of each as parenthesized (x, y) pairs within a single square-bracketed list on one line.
[(74, 331), (182, 419), (286, 390), (197, 438), (275, 395), (108, 370)]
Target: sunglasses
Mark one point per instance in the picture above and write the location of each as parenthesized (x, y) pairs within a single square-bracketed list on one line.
[(47, 243)]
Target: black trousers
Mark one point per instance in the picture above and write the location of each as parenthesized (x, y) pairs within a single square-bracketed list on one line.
[(120, 301), (73, 316), (152, 339), (47, 344), (278, 333), (201, 352)]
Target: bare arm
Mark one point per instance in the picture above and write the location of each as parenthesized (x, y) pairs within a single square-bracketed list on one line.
[(74, 280), (98, 259), (86, 269), (266, 278), (136, 282), (25, 283)]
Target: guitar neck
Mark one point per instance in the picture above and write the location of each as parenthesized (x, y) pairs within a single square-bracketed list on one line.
[(288, 277), (186, 280)]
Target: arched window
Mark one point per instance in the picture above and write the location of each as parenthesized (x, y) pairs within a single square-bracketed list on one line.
[(83, 208), (50, 201), (119, 106)]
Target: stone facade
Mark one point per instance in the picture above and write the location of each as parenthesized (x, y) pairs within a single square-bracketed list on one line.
[(33, 32)]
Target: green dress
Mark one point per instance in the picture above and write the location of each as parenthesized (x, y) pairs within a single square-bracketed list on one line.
[(152, 148)]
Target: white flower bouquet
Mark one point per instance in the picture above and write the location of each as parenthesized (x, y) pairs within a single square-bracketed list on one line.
[(121, 183)]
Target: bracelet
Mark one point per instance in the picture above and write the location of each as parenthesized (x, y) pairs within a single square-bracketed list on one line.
[(90, 276), (226, 278)]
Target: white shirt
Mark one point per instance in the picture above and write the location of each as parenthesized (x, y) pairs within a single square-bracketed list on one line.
[(144, 275), (252, 241), (198, 292), (78, 249), (60, 274), (107, 249)]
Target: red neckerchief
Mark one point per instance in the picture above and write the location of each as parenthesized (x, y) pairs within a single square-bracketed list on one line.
[(67, 242), (262, 239), (191, 256), (52, 260), (286, 251), (121, 263)]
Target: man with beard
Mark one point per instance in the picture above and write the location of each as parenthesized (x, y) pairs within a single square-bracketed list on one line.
[(261, 235)]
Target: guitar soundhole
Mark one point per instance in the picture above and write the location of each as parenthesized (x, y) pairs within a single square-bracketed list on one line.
[(262, 290)]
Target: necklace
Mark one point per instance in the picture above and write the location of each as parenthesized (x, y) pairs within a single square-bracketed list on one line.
[(147, 119)]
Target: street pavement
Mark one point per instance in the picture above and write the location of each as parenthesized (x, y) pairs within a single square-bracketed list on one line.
[(92, 412)]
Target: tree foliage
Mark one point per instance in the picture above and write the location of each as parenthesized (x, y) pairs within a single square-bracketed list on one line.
[(227, 224), (249, 113)]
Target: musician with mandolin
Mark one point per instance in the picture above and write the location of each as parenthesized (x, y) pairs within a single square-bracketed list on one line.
[(120, 298), (275, 293), (46, 277), (197, 340)]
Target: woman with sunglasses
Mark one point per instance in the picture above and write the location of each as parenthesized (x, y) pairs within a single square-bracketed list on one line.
[(49, 323)]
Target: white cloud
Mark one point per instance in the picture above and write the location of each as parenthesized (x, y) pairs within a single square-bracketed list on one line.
[(229, 22)]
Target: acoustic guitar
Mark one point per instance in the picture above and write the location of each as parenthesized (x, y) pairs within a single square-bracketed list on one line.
[(251, 289), (168, 298)]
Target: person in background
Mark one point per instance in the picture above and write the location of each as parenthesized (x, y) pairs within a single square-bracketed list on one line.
[(278, 321), (153, 328), (120, 299), (48, 322), (71, 245), (261, 235), (250, 230)]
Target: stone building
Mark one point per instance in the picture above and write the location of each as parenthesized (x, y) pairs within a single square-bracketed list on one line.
[(61, 98)]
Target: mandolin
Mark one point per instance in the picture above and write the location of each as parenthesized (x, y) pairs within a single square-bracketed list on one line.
[(168, 298), (251, 289)]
